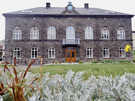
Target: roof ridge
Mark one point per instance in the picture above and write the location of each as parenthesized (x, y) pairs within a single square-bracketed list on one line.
[(59, 10)]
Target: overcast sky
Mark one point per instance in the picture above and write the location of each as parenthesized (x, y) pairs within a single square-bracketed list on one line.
[(125, 6)]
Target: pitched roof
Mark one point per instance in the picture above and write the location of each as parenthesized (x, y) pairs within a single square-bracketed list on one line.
[(59, 10)]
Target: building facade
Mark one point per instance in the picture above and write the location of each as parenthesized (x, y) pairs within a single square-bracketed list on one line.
[(2, 50), (133, 35), (67, 34)]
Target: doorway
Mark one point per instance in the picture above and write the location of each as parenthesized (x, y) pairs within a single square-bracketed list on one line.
[(70, 55)]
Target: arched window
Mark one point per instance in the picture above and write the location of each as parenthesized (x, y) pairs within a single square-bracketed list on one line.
[(51, 34), (17, 34), (70, 32), (89, 33), (121, 33), (105, 33), (34, 33)]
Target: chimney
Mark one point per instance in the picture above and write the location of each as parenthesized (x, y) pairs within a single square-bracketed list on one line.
[(86, 5), (48, 5)]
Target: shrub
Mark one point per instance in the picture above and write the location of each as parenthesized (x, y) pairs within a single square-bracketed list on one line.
[(80, 62), (15, 85), (124, 61), (71, 87), (107, 61), (134, 60), (94, 61)]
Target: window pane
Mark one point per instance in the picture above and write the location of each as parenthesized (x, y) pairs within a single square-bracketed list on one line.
[(51, 53), (34, 52), (105, 33), (17, 34), (88, 33), (51, 34), (17, 53), (121, 33), (34, 33), (89, 52), (70, 33), (106, 53)]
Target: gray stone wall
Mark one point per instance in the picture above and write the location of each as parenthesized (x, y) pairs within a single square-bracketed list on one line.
[(26, 23)]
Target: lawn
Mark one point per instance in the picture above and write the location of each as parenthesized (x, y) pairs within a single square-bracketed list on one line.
[(104, 69)]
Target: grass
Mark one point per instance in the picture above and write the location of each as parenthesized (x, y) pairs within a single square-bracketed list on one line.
[(104, 69)]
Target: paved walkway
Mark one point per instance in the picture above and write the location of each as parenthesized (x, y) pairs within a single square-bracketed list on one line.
[(37, 66)]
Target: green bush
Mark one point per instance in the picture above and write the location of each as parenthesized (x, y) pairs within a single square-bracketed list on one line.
[(7, 97), (124, 61), (134, 60), (94, 62), (107, 61), (80, 62)]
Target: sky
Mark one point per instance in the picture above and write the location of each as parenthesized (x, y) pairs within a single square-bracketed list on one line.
[(124, 6)]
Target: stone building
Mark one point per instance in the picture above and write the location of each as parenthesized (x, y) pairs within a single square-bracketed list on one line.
[(67, 34), (133, 36), (2, 50)]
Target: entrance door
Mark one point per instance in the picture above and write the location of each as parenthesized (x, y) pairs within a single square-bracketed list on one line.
[(70, 55)]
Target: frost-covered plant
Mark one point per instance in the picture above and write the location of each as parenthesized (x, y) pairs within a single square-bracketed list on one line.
[(72, 87), (14, 83)]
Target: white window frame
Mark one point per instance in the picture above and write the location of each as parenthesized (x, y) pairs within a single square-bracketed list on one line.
[(51, 53), (70, 32), (34, 52), (105, 35), (34, 33), (121, 33), (89, 32), (106, 53), (122, 53), (51, 33), (17, 53), (89, 52), (17, 34)]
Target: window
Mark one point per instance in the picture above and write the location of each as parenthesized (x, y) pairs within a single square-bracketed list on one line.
[(70, 32), (34, 33), (122, 53), (17, 34), (34, 53), (89, 52), (17, 53), (106, 53), (121, 33), (51, 34), (1, 54), (51, 53), (105, 33), (88, 33)]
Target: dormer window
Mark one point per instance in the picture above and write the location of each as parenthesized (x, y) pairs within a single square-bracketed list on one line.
[(70, 7)]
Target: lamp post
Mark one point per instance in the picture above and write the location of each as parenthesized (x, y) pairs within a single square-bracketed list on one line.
[(41, 64)]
